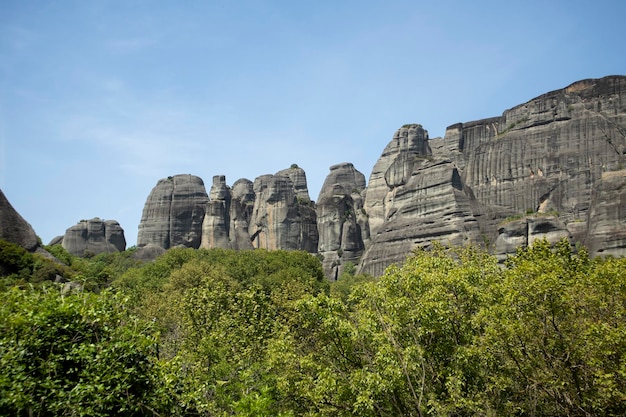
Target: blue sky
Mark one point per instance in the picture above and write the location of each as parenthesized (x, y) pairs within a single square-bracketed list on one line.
[(100, 99)]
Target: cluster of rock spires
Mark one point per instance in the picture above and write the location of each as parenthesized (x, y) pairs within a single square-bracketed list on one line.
[(550, 168)]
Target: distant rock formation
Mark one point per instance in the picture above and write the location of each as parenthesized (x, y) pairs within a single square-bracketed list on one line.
[(283, 218), (548, 155), (173, 213), (341, 219), (94, 236), (273, 212), (555, 163), (13, 227)]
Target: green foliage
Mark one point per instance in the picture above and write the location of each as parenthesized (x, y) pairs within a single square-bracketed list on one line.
[(261, 333), (20, 267), (78, 354)]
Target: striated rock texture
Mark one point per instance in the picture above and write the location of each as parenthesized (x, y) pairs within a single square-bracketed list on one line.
[(95, 236), (13, 227), (409, 144), (545, 154), (527, 230), (607, 217), (555, 163), (279, 219), (425, 202), (173, 213), (298, 180), (341, 220), (554, 155), (216, 223)]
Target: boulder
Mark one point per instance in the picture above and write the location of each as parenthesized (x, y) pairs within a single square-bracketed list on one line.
[(94, 236), (523, 232), (13, 227), (173, 213)]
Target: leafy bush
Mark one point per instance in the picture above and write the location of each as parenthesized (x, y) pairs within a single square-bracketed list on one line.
[(78, 354)]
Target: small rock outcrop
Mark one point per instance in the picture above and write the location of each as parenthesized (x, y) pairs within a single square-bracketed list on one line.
[(173, 213), (95, 236), (524, 232), (13, 227), (341, 220)]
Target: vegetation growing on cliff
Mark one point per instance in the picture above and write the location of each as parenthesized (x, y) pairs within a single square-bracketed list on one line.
[(258, 333)]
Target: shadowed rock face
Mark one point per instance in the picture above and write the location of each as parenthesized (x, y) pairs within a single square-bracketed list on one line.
[(173, 213), (95, 236), (341, 219), (523, 232), (607, 217), (13, 227)]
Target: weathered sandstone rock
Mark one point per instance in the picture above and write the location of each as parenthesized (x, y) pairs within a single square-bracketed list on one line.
[(526, 231), (94, 236), (607, 217), (546, 152), (279, 220), (13, 227), (173, 213), (341, 220), (429, 204), (409, 144), (298, 179), (216, 223)]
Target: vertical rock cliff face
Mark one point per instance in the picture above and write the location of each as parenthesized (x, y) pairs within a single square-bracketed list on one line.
[(94, 236), (408, 144), (216, 223), (554, 163), (341, 220), (607, 217), (173, 213), (426, 202), (228, 214), (553, 156), (280, 220)]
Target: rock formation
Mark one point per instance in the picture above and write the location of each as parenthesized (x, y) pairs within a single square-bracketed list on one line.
[(522, 232), (546, 156), (274, 212), (555, 163), (281, 220), (341, 220), (607, 217), (91, 237), (13, 227), (173, 213)]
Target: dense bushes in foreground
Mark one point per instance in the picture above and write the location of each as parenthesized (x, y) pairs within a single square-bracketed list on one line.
[(257, 333)]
